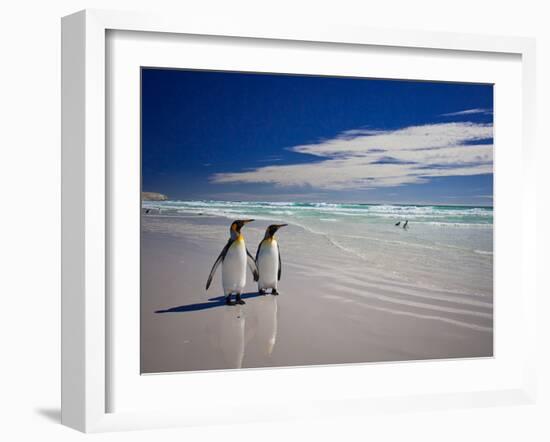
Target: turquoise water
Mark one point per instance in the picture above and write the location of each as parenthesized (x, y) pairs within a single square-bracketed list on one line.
[(448, 247), (377, 213)]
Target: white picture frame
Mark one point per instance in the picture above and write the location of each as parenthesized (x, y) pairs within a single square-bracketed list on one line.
[(86, 211)]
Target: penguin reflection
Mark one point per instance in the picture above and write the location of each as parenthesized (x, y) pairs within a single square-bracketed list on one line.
[(266, 333), (242, 330), (231, 335)]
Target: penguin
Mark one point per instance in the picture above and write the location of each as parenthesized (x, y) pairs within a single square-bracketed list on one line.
[(268, 260), (406, 224), (397, 223), (234, 258)]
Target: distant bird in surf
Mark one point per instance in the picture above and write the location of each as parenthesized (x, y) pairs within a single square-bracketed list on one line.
[(234, 258), (406, 224), (268, 260), (397, 223)]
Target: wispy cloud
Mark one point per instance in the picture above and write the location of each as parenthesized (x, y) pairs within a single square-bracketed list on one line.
[(270, 159), (366, 159), (468, 112)]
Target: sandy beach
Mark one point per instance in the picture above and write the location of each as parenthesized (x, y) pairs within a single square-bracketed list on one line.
[(335, 306)]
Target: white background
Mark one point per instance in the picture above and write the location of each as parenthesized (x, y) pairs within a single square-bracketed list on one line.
[(30, 220)]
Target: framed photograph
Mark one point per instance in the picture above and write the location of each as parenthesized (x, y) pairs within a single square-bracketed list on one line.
[(294, 222)]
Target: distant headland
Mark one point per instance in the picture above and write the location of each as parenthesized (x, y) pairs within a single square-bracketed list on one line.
[(153, 196)]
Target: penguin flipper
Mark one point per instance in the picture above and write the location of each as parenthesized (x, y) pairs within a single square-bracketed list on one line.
[(218, 261), (252, 265), (258, 249), (280, 266)]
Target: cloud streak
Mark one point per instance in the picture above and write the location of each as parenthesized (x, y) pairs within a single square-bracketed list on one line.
[(468, 112), (367, 159)]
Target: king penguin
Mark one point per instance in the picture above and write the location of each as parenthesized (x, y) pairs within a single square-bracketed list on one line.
[(234, 258), (268, 260)]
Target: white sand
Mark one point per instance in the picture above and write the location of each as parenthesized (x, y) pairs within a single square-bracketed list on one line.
[(333, 307)]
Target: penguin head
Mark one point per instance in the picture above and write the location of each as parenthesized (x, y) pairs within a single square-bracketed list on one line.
[(237, 225), (270, 231)]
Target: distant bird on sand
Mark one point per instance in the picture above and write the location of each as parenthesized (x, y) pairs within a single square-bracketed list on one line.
[(147, 210), (234, 258), (398, 223), (268, 260), (406, 224)]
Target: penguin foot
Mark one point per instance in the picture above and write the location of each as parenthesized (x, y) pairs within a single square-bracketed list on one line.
[(239, 300), (262, 292), (274, 292), (228, 301)]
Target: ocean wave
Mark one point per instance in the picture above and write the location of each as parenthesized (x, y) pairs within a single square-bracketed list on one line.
[(445, 216), (451, 224), (483, 252)]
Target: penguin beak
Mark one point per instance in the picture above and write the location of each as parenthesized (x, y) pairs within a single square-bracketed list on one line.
[(246, 221), (274, 227)]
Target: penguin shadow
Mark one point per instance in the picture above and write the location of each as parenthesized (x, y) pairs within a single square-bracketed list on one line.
[(218, 301)]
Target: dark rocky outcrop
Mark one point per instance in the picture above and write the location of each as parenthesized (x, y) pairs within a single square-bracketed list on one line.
[(153, 196)]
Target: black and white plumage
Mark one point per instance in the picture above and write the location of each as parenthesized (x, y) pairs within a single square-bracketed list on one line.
[(268, 260), (234, 259)]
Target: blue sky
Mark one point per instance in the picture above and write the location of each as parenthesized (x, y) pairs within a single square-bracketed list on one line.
[(272, 137)]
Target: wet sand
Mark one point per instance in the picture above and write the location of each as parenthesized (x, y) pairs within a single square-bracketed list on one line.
[(332, 307)]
